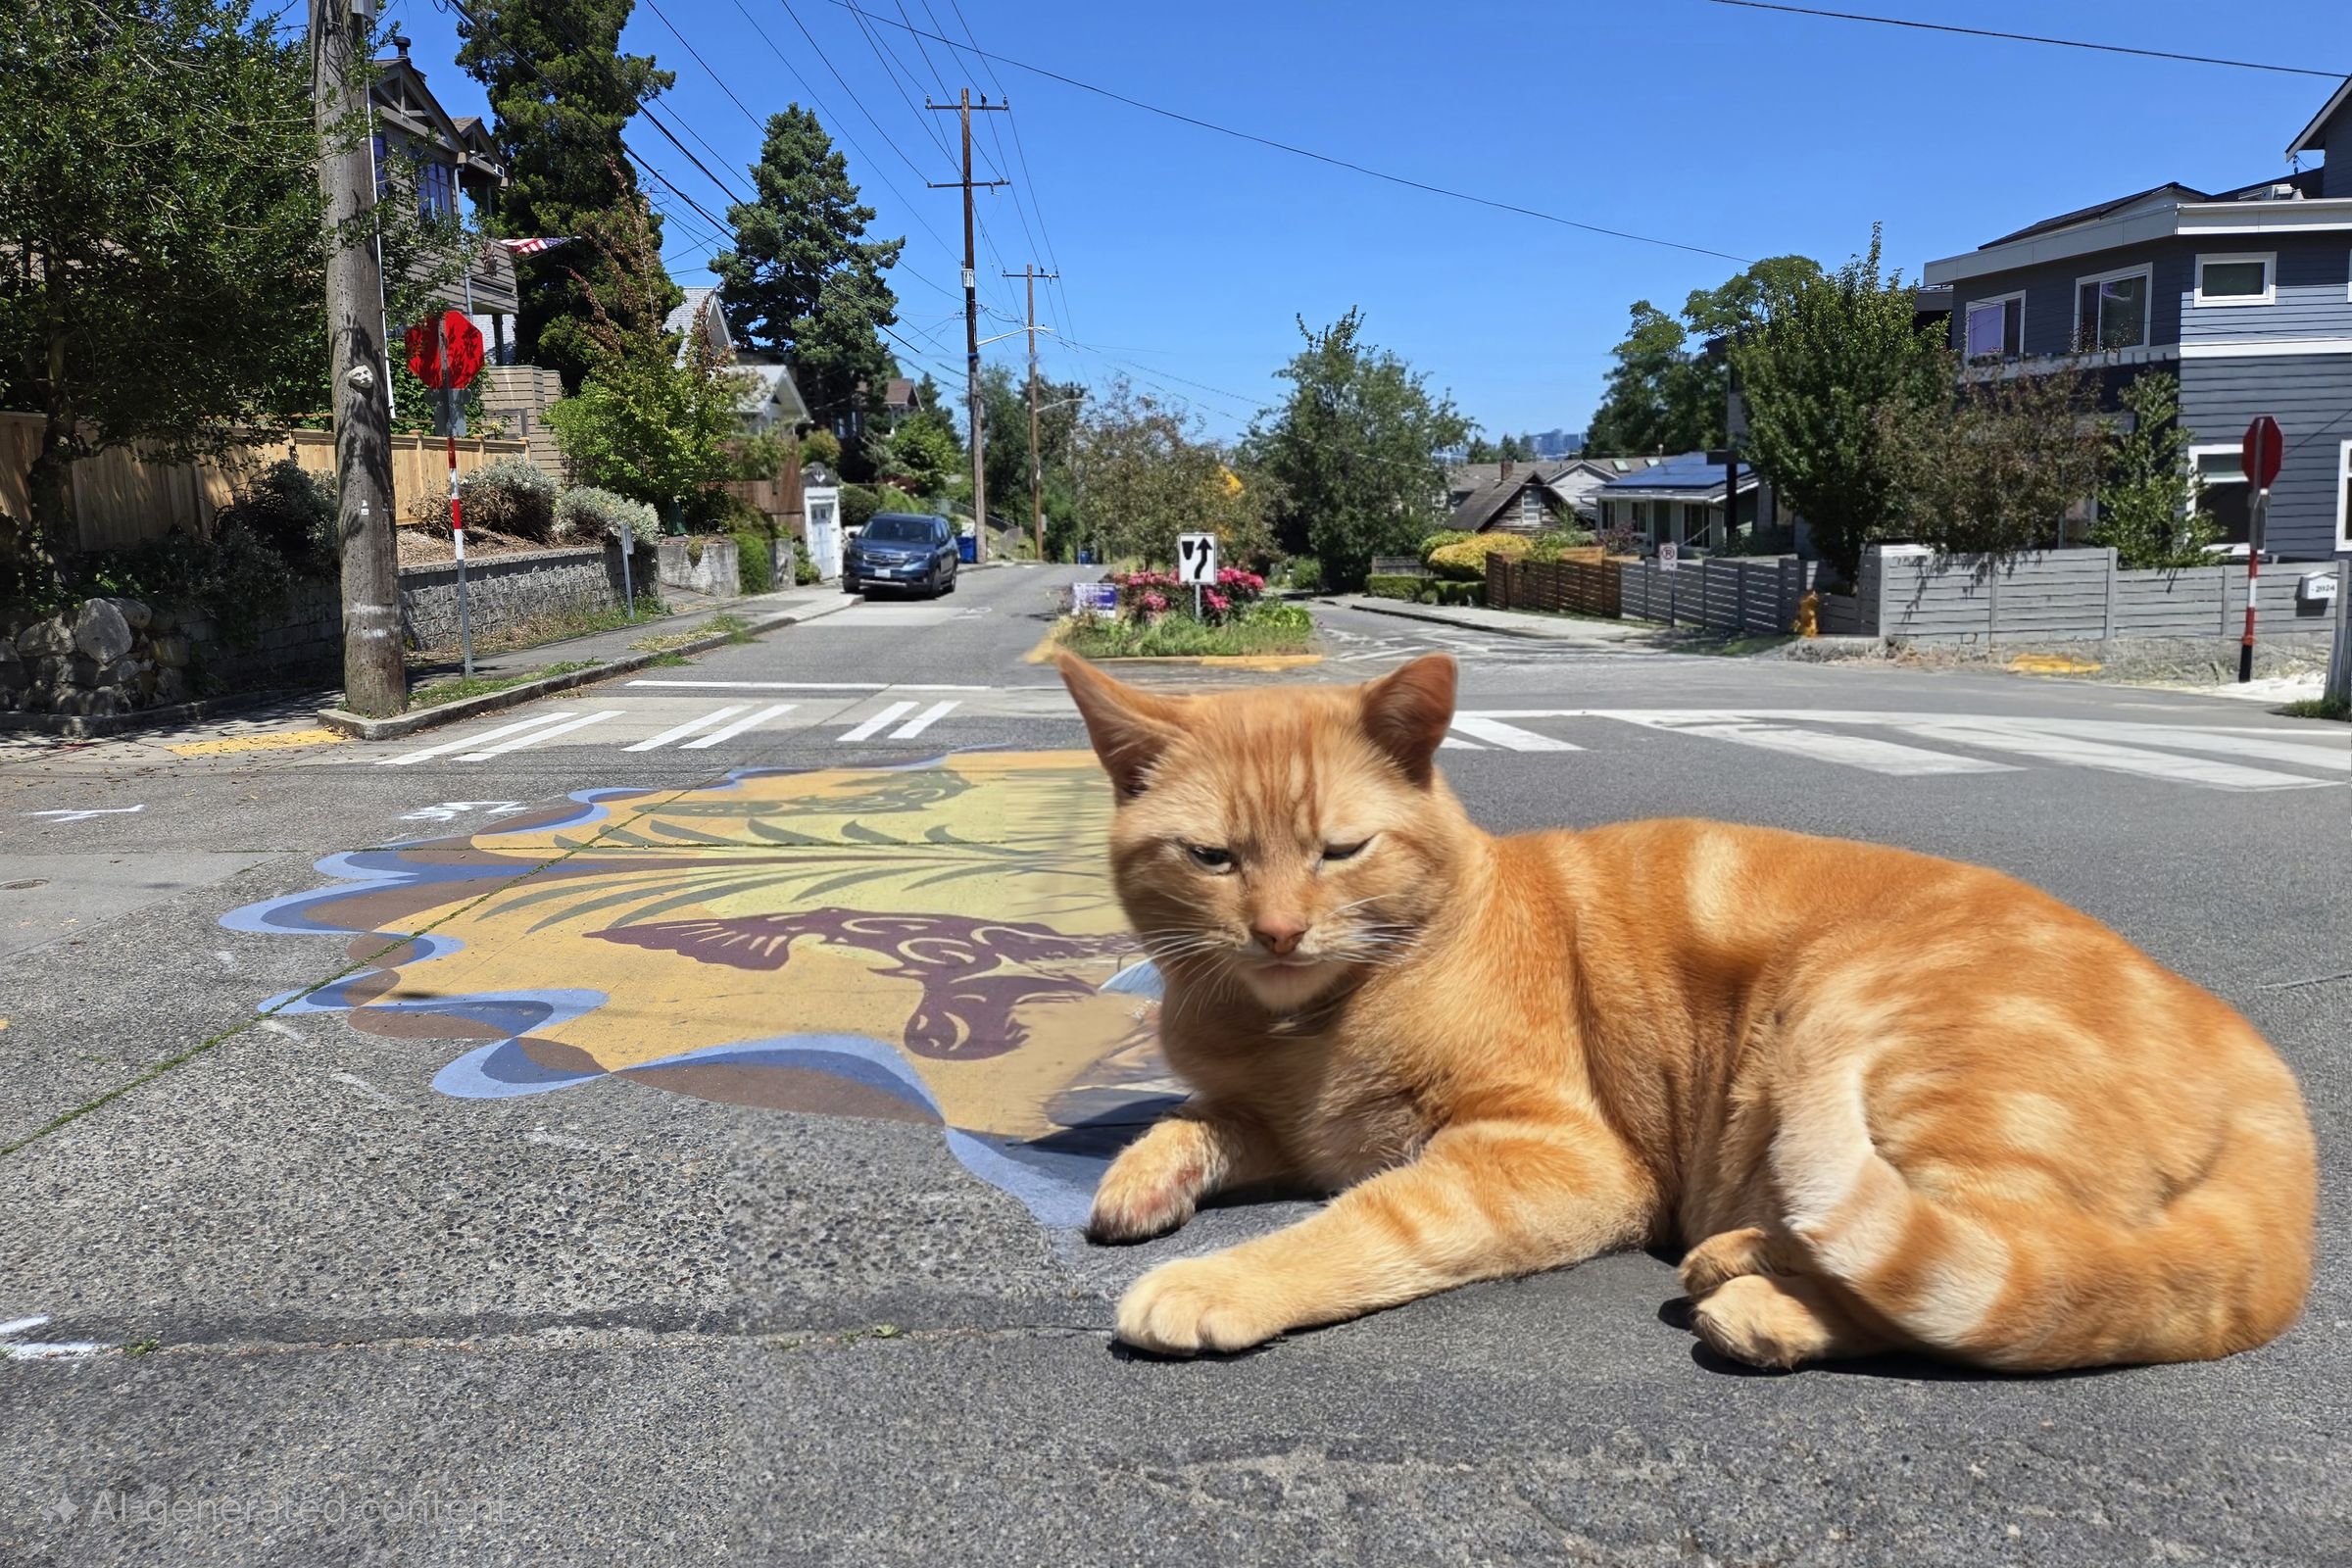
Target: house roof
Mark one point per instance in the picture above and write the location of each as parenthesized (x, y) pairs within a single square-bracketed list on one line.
[(898, 394), (2155, 195), (701, 305), (399, 96), (1689, 475), (2308, 141), (776, 385)]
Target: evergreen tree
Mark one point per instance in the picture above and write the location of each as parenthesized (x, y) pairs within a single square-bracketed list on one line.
[(803, 280), (561, 91)]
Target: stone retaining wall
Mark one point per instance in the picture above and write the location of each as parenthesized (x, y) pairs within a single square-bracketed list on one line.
[(112, 656)]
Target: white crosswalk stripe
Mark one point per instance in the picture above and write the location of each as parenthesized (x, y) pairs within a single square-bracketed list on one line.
[(924, 720), (1854, 751), (1510, 737), (729, 732), (873, 725), (426, 753), (2080, 752), (681, 731), (544, 732)]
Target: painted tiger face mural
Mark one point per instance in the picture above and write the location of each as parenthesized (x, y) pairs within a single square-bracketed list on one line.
[(934, 942)]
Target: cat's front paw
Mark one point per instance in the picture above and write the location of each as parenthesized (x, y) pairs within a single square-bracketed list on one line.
[(1146, 1192), (1199, 1303)]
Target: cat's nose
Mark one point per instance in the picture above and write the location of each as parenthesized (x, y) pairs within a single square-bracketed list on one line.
[(1280, 933)]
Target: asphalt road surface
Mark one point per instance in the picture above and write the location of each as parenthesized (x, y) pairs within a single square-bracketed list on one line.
[(648, 1126)]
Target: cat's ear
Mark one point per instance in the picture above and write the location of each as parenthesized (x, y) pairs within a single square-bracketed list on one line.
[(1408, 710), (1129, 728)]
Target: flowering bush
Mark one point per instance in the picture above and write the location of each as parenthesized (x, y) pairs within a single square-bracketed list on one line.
[(1148, 595), (1465, 560)]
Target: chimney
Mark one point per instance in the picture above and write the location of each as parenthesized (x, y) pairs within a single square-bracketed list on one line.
[(1507, 468)]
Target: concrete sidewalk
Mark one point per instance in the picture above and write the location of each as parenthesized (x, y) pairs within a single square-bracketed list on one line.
[(1508, 622), (817, 599)]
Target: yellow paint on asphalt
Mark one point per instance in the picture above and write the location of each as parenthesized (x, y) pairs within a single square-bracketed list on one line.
[(278, 742), (2052, 665)]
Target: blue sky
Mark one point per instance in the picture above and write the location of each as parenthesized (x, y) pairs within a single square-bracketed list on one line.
[(1186, 255)]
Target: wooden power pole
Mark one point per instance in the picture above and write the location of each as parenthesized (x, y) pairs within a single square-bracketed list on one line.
[(1037, 494), (374, 672), (971, 306)]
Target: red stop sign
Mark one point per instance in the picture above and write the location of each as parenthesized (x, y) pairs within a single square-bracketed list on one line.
[(2263, 450), (447, 353)]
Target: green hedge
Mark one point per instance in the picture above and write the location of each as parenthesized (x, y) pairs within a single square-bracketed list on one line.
[(1394, 587), (1460, 593)]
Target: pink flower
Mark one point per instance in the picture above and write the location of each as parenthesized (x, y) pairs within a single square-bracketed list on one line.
[(1154, 603), (1218, 601)]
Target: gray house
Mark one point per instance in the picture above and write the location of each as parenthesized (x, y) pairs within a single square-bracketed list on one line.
[(2244, 294)]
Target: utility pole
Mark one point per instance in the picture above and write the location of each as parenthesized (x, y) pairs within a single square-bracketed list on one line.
[(1037, 494), (971, 306), (374, 675)]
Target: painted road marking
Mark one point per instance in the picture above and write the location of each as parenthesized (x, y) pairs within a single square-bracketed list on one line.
[(1852, 750), (831, 686), (1510, 737), (2309, 751), (680, 731), (231, 744), (544, 733), (924, 720), (866, 730), (84, 814), (1455, 743), (738, 728), (2051, 746), (422, 753)]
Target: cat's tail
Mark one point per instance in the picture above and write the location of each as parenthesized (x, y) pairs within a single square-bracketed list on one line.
[(2221, 1267)]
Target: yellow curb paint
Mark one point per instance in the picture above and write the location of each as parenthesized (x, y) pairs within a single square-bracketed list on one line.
[(2052, 665), (258, 743)]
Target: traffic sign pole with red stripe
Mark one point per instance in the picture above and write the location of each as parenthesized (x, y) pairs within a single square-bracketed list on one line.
[(2261, 454)]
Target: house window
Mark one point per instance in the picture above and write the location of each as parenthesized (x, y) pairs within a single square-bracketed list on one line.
[(1996, 328), (2343, 507), (436, 190), (2111, 311), (2223, 491), (2237, 279)]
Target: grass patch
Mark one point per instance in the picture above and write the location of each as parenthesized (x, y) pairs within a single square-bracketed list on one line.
[(734, 629), (1742, 646), (461, 687), (1266, 628), (2319, 708)]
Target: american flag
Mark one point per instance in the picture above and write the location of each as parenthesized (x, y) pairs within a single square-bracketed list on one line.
[(533, 247)]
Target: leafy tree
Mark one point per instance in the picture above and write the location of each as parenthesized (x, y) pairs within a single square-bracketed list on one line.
[(652, 422), (161, 231), (1832, 353), (1666, 395), (803, 280), (1994, 468), (922, 455), (562, 92), (1004, 404), (1354, 452), (2150, 509), (1146, 473)]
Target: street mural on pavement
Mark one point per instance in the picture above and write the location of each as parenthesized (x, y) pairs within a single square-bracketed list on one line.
[(934, 942)]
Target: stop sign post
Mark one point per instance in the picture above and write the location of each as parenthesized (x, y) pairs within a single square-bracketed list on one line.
[(446, 355), (2261, 454)]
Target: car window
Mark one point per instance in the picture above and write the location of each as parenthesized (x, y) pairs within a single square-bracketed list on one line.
[(902, 530)]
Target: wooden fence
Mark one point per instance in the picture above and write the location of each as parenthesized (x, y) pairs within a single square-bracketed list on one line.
[(120, 499), (2076, 595), (1583, 587)]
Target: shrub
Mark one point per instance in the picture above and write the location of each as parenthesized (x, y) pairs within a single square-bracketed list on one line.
[(754, 552), (1302, 571), (1624, 539), (292, 511), (1441, 539), (803, 569), (858, 504), (1466, 561), (586, 512), (507, 494), (1405, 588), (821, 448), (1553, 544), (1460, 593), (234, 578), (1148, 595)]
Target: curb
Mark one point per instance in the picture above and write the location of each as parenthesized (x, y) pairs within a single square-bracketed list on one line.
[(398, 726), (1405, 612)]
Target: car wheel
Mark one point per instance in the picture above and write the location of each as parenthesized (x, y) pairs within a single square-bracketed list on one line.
[(953, 574)]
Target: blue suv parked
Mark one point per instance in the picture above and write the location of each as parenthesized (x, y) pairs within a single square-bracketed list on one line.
[(901, 550)]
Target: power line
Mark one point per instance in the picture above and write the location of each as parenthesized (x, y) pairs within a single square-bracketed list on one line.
[(2028, 37), (1309, 152), (1057, 299)]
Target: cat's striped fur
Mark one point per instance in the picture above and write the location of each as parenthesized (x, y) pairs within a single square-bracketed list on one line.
[(1885, 1101)]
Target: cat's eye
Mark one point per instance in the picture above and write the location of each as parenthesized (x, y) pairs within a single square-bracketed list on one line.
[(1210, 857), (1344, 852)]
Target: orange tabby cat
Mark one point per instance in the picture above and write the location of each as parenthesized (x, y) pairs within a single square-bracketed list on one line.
[(1885, 1102)]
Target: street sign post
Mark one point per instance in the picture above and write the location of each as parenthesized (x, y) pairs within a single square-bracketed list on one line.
[(2261, 454), (446, 355), (1197, 564)]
